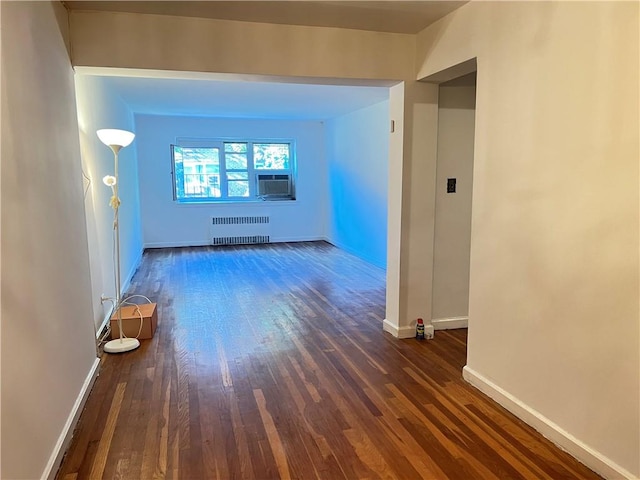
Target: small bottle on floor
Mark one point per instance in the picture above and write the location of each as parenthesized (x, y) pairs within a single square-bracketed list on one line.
[(420, 329)]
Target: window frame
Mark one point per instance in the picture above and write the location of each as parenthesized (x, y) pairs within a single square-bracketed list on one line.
[(252, 172)]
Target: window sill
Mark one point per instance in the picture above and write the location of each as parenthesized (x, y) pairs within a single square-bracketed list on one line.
[(246, 203)]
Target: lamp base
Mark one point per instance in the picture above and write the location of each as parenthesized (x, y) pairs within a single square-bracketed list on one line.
[(120, 345)]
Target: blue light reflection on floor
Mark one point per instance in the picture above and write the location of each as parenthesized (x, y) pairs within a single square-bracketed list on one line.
[(233, 305)]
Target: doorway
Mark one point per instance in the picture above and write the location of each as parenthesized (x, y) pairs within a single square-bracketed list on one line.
[(454, 189)]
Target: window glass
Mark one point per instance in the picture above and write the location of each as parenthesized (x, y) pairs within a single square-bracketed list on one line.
[(236, 161), (238, 189), (235, 147), (197, 172), (237, 176), (271, 156)]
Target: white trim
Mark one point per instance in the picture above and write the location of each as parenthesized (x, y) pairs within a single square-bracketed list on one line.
[(449, 323), (295, 239), (389, 327), (51, 469), (103, 324), (267, 204), (208, 243), (582, 452), (405, 332), (176, 244)]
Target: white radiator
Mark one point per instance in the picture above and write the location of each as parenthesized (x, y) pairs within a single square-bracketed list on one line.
[(240, 230)]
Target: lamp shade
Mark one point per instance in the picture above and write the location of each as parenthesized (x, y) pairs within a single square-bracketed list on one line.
[(110, 136)]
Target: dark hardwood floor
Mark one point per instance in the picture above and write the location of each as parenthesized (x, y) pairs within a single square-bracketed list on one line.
[(270, 362)]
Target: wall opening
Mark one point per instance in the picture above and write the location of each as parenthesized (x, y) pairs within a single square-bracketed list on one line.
[(454, 188)]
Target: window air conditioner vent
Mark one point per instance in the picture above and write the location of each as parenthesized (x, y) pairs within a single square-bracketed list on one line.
[(274, 185)]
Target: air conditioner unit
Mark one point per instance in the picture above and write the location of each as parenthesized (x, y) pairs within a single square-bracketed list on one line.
[(272, 186)]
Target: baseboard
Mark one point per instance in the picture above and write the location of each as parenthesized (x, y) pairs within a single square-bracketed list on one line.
[(175, 244), (64, 439), (103, 325), (450, 323), (389, 327), (405, 332), (295, 239), (582, 452), (208, 243)]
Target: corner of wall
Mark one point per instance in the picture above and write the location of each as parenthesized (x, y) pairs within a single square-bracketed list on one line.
[(581, 451), (66, 435)]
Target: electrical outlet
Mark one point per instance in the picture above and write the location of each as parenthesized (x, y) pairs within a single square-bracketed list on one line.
[(103, 298)]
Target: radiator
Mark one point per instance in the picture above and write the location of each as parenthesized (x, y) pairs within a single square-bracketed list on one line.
[(239, 220), (240, 240), (240, 230)]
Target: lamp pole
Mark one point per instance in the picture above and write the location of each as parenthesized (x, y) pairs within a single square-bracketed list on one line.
[(116, 140)]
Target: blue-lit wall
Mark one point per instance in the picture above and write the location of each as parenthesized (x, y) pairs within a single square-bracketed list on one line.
[(166, 223), (99, 106), (357, 149)]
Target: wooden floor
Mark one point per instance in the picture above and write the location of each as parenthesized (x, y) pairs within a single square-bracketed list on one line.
[(270, 362)]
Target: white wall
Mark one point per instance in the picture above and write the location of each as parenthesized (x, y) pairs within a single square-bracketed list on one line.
[(48, 347), (452, 243), (168, 223), (554, 326), (223, 46), (393, 307), (358, 162), (411, 206), (99, 107)]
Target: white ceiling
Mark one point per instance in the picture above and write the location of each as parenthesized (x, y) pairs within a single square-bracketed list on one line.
[(242, 99), (257, 97)]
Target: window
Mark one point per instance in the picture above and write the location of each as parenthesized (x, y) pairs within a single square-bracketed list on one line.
[(219, 170), (271, 156), (236, 161), (196, 172)]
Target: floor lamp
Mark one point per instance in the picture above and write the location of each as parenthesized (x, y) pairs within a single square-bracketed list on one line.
[(116, 140)]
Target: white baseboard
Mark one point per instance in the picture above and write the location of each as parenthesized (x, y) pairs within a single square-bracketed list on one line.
[(176, 244), (405, 332), (295, 239), (102, 326), (402, 332), (208, 243), (64, 439), (450, 323), (585, 454)]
